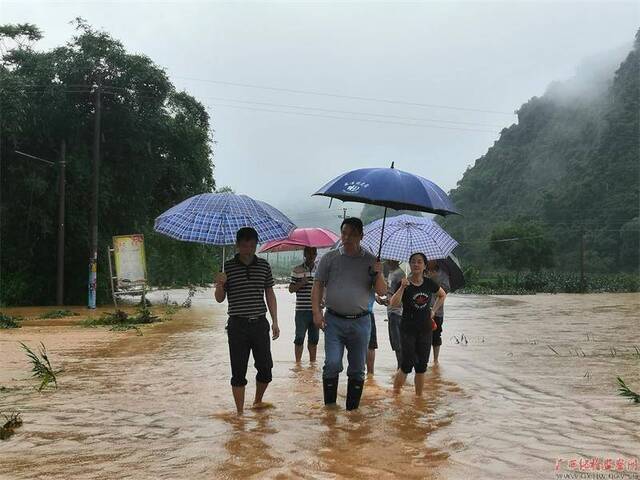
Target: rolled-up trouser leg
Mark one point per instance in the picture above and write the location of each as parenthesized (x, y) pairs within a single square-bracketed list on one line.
[(261, 348), (408, 351), (239, 348)]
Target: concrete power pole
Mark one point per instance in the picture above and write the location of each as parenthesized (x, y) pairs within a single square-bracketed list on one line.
[(93, 252)]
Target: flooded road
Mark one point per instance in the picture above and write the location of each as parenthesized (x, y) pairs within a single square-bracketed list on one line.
[(525, 383)]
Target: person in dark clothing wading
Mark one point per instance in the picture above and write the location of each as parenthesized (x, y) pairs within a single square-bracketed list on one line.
[(417, 322), (245, 282)]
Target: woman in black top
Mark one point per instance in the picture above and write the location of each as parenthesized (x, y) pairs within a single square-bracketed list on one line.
[(417, 320)]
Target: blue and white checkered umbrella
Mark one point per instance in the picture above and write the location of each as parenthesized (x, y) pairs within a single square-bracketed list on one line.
[(214, 218), (405, 235)]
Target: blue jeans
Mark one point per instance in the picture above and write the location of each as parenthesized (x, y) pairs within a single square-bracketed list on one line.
[(304, 324), (352, 334)]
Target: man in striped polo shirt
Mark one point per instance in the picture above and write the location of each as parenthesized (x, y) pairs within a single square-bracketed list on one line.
[(301, 284), (245, 282)]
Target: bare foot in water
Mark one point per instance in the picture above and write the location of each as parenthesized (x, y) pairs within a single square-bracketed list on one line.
[(262, 406)]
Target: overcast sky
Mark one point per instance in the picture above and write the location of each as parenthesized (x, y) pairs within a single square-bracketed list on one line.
[(481, 60)]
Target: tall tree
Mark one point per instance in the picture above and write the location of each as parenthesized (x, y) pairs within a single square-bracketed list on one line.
[(156, 151)]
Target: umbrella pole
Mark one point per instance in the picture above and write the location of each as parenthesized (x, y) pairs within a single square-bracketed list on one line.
[(384, 220), (223, 256)]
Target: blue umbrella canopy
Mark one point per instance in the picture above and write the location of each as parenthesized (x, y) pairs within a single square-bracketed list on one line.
[(389, 187), (214, 218)]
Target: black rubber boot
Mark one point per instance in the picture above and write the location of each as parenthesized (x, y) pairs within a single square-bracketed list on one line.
[(354, 392), (330, 387)]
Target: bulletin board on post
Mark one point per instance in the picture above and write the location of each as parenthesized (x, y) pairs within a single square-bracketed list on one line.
[(129, 268)]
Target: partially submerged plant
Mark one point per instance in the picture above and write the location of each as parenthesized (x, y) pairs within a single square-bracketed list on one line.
[(625, 391), (190, 294), (145, 316), (12, 421), (7, 321), (553, 350), (123, 327), (58, 314), (122, 318), (41, 366)]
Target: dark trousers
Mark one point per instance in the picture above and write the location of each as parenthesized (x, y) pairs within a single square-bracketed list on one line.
[(416, 346), (249, 335), (437, 334)]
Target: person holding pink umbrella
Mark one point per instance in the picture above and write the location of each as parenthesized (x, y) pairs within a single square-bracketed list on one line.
[(309, 239)]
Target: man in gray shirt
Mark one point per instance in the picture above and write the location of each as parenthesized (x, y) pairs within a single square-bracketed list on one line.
[(346, 275)]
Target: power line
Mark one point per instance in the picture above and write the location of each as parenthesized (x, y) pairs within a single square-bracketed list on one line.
[(350, 97), (335, 117), (351, 112), (85, 89)]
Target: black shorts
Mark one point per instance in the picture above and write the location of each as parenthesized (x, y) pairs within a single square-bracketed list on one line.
[(437, 334), (416, 347), (245, 336), (373, 339)]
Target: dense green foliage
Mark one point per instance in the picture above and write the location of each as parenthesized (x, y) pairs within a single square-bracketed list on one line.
[(548, 282), (155, 152), (571, 165), (522, 245)]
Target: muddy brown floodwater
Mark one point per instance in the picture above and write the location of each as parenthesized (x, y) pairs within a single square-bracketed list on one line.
[(501, 405)]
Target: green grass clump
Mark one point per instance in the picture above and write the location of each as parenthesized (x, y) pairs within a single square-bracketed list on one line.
[(625, 391), (7, 321), (122, 319), (41, 366)]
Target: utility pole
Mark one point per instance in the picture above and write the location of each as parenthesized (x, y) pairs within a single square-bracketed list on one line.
[(93, 252), (61, 205)]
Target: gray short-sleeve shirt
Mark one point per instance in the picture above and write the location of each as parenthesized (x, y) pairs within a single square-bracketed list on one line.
[(393, 282), (348, 280)]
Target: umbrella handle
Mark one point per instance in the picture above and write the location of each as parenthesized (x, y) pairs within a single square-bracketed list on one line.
[(384, 220)]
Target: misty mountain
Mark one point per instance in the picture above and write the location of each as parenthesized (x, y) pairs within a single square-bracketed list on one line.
[(571, 164)]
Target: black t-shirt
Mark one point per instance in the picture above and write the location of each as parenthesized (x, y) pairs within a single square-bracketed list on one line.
[(416, 301)]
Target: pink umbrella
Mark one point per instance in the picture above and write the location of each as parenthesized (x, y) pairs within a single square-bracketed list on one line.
[(300, 238)]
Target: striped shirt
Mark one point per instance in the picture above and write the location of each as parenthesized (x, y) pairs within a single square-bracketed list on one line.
[(303, 296), (246, 285)]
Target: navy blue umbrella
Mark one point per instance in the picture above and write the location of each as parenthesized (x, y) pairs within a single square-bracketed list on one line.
[(389, 188)]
